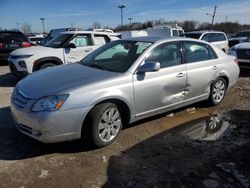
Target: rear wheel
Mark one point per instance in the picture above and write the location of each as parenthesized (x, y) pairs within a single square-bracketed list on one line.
[(46, 65), (217, 91), (103, 125)]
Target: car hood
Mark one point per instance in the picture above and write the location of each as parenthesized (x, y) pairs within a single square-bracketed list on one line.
[(30, 50), (238, 38), (243, 45), (62, 79)]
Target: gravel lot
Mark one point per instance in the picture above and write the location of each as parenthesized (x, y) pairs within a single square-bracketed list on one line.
[(157, 152)]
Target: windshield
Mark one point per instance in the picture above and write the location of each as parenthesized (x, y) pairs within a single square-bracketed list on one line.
[(243, 34), (191, 35), (116, 56), (58, 41)]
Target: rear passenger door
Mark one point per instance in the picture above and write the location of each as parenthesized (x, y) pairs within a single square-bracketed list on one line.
[(202, 68)]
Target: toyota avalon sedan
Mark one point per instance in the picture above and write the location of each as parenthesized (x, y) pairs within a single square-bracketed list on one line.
[(119, 83)]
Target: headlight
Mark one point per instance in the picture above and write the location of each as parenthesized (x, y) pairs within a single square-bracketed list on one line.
[(50, 103), (20, 56)]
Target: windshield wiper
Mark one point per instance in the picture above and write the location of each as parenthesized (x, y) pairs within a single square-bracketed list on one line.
[(97, 66)]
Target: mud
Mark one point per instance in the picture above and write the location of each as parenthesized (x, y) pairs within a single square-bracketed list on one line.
[(183, 148)]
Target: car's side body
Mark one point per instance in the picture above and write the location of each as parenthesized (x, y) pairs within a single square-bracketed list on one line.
[(38, 55), (138, 94)]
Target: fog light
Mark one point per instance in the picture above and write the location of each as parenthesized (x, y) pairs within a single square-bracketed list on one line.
[(22, 64), (36, 132)]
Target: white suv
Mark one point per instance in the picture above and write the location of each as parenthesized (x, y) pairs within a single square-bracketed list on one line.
[(68, 47), (216, 38)]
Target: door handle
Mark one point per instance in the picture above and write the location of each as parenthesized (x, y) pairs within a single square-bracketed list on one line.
[(215, 67), (180, 75)]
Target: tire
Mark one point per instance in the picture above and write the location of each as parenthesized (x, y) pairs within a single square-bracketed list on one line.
[(217, 91), (46, 65), (103, 125)]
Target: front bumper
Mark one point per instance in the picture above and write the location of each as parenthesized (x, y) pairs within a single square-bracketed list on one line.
[(50, 127), (15, 72)]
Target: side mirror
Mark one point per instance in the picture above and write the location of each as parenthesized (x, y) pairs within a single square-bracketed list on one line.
[(71, 45), (149, 66)]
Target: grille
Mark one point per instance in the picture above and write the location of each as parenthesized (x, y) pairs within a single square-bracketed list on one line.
[(243, 53), (19, 100)]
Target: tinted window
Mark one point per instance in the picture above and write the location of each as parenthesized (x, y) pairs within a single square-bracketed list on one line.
[(215, 37), (192, 35), (180, 32), (11, 37), (58, 41), (196, 52), (167, 55), (206, 37)]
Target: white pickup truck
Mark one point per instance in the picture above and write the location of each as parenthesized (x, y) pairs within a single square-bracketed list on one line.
[(68, 47)]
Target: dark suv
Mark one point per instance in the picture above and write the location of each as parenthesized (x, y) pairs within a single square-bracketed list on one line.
[(10, 41)]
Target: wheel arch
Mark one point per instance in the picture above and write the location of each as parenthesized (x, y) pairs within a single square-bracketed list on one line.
[(40, 61)]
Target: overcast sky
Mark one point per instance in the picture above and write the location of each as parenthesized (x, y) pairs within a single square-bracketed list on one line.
[(82, 13)]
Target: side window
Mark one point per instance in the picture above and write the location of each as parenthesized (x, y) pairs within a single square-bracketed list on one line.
[(175, 32), (205, 37), (167, 54), (81, 40), (196, 52), (180, 32), (101, 40), (221, 37)]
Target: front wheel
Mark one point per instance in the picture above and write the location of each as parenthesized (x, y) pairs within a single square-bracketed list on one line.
[(46, 65), (104, 123), (217, 91)]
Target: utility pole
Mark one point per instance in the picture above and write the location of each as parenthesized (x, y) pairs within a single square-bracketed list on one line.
[(17, 25), (71, 24), (130, 20), (212, 23), (121, 7), (42, 19), (213, 15)]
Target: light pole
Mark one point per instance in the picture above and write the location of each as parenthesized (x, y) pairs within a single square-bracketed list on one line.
[(71, 24), (42, 19), (121, 7), (212, 16), (130, 20)]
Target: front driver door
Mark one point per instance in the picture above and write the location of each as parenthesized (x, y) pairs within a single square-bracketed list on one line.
[(84, 46), (156, 91)]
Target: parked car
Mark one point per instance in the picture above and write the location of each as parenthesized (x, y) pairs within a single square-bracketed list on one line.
[(36, 40), (216, 38), (11, 40), (120, 83), (239, 37), (68, 47), (242, 52)]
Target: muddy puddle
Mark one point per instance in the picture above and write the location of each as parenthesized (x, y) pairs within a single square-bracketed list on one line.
[(209, 128)]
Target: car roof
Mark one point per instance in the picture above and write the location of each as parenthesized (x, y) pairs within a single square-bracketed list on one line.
[(10, 31), (161, 39), (89, 32), (202, 31)]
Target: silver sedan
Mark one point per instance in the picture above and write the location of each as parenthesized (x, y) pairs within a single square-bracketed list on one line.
[(119, 83)]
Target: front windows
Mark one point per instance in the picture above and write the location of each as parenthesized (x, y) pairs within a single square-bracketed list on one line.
[(58, 41), (117, 56), (167, 54), (81, 40)]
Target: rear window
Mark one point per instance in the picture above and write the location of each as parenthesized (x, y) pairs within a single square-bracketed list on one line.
[(11, 37)]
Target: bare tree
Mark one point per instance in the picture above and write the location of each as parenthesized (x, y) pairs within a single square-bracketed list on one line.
[(96, 25), (26, 28)]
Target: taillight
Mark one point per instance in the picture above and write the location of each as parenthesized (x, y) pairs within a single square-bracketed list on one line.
[(1, 45), (26, 44), (236, 61)]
